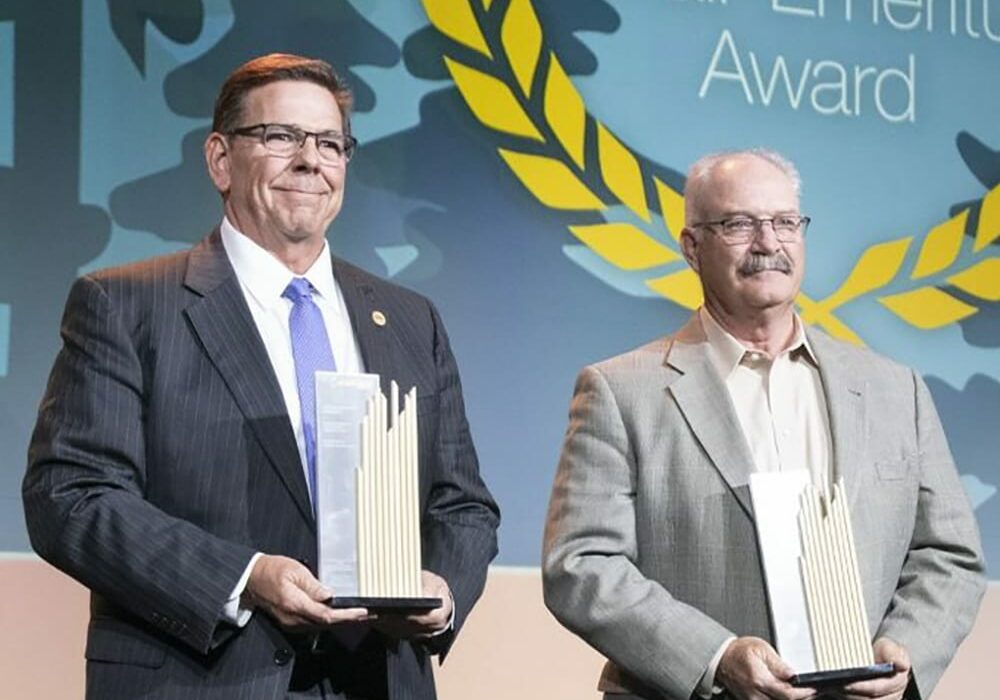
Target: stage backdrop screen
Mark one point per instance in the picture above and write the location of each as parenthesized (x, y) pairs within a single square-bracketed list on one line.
[(522, 163)]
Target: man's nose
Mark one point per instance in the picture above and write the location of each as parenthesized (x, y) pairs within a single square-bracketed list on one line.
[(308, 154), (765, 239)]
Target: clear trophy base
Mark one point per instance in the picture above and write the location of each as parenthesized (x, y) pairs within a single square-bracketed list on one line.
[(841, 676), (386, 605)]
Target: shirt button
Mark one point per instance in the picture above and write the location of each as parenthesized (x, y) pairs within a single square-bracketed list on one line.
[(282, 656)]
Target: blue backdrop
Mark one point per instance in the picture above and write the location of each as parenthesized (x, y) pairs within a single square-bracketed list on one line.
[(484, 127)]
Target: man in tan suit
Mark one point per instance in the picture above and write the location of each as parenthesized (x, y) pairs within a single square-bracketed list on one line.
[(650, 549)]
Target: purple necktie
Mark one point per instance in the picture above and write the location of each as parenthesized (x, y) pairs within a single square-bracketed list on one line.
[(312, 353)]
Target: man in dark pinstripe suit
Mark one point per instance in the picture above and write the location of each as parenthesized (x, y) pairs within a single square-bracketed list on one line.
[(166, 468)]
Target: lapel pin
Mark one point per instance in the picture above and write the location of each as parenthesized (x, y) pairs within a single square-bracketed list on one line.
[(378, 318)]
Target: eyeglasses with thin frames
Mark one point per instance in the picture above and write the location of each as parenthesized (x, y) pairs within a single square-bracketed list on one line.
[(736, 230), (286, 140)]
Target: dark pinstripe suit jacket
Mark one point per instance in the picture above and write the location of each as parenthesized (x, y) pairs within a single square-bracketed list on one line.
[(163, 457)]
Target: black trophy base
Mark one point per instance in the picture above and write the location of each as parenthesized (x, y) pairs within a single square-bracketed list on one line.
[(841, 676), (397, 606)]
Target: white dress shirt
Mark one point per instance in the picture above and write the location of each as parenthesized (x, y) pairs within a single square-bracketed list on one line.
[(263, 279), (782, 410)]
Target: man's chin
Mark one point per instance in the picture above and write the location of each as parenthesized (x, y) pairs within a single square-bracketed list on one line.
[(301, 231), (770, 296)]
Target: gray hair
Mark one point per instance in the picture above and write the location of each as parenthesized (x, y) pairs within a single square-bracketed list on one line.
[(701, 172)]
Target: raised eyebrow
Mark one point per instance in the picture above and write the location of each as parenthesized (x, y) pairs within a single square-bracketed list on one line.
[(748, 215), (324, 132), (301, 129)]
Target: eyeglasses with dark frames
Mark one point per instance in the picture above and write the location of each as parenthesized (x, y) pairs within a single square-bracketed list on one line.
[(286, 140)]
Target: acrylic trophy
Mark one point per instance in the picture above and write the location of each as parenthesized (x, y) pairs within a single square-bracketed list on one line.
[(813, 580), (367, 494)]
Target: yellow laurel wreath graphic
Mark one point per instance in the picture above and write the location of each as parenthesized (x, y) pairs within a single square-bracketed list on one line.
[(553, 163)]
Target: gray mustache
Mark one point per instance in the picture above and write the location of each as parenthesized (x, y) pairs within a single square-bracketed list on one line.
[(759, 262)]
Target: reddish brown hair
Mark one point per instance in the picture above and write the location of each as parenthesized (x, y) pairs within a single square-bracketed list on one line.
[(270, 69)]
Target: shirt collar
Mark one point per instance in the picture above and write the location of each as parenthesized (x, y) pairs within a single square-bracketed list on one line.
[(727, 352), (264, 276)]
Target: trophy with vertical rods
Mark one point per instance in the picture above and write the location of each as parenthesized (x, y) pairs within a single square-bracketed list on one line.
[(367, 494), (813, 580)]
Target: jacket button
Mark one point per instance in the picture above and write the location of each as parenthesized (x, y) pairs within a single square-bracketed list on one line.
[(282, 656)]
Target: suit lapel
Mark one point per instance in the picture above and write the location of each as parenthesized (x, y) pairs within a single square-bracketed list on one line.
[(846, 406), (223, 324), (704, 400), (362, 308)]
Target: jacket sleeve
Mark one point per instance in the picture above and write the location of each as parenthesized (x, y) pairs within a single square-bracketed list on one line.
[(460, 517), (83, 490), (591, 581), (941, 583)]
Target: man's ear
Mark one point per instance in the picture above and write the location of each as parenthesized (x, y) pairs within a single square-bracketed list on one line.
[(217, 161), (689, 246)]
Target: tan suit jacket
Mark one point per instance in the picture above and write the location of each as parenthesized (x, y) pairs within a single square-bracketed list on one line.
[(650, 550)]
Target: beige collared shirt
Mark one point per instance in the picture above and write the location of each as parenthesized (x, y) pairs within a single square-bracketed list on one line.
[(779, 401), (782, 409)]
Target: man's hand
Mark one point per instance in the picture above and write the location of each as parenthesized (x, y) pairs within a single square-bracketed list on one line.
[(888, 688), (422, 625), (750, 669), (289, 593)]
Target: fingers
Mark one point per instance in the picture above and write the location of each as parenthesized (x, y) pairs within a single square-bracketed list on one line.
[(424, 624), (776, 665), (891, 688), (751, 669), (334, 616), (888, 651), (888, 688), (289, 592), (434, 620)]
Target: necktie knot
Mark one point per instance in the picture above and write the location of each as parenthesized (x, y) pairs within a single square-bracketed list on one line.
[(298, 290)]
